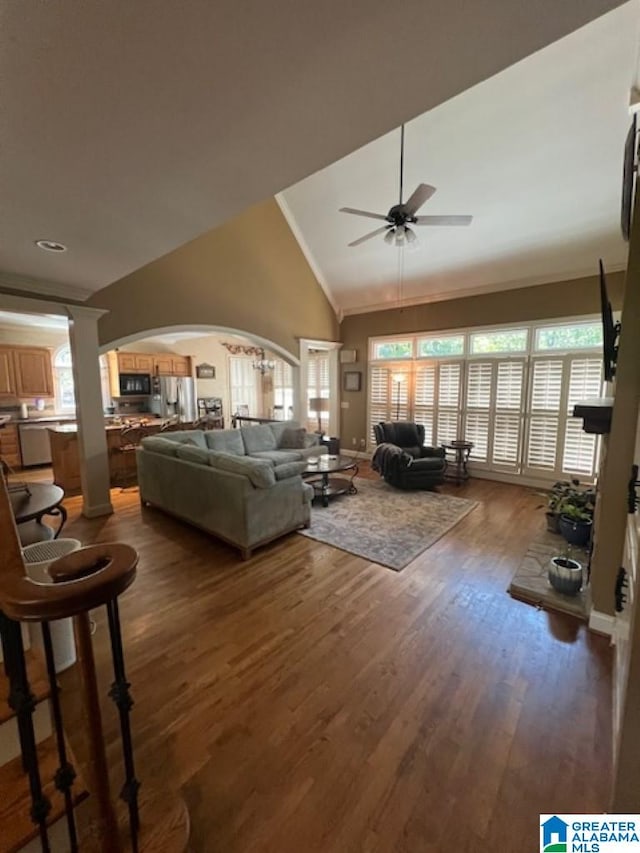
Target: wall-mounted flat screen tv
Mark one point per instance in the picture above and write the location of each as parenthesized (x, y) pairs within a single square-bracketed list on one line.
[(628, 180), (610, 330)]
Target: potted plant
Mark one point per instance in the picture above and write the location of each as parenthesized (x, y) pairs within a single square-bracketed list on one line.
[(554, 497), (565, 573), (575, 509)]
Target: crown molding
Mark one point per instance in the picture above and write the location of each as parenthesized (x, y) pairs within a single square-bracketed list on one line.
[(41, 287), (306, 251), (445, 296)]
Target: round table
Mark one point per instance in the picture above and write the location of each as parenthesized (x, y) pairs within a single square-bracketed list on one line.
[(30, 503), (456, 469), (318, 474)]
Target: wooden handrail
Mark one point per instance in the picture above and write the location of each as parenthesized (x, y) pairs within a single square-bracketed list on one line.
[(83, 579)]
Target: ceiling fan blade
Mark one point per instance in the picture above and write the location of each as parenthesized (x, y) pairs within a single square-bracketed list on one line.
[(422, 193), (363, 213), (443, 220), (369, 235)]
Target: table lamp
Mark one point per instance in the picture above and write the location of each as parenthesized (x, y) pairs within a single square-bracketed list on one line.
[(319, 405)]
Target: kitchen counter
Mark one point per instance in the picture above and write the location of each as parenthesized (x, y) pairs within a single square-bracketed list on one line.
[(154, 423), (65, 459)]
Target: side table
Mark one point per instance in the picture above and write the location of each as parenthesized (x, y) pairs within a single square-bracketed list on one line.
[(456, 469)]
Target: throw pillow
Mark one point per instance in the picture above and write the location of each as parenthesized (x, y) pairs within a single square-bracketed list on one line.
[(157, 444), (293, 439)]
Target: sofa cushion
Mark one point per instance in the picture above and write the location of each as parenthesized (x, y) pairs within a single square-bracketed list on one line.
[(277, 457), (192, 453), (258, 471), (289, 469), (258, 438), (293, 438), (160, 444), (187, 436), (278, 427), (225, 440)]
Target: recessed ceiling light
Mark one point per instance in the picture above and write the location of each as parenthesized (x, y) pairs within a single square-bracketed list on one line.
[(50, 246)]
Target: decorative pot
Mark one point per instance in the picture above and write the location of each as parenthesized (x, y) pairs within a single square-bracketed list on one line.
[(575, 532), (565, 575), (552, 522)]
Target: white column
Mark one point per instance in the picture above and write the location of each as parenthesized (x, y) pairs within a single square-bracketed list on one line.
[(92, 439)]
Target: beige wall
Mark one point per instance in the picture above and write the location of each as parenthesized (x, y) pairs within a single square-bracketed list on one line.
[(544, 301), (249, 275)]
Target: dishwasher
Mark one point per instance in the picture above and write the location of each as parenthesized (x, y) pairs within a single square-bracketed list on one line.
[(35, 447)]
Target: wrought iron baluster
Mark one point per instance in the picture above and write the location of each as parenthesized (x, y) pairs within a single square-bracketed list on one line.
[(122, 698), (65, 774), (22, 701)]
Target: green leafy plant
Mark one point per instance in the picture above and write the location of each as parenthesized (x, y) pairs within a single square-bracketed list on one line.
[(567, 497)]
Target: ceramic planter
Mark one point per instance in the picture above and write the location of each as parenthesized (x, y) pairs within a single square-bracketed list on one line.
[(565, 575), (575, 532)]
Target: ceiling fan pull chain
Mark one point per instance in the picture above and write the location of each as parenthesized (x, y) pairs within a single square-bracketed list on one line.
[(401, 160)]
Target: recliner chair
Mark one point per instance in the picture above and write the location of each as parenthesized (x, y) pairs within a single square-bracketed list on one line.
[(403, 460)]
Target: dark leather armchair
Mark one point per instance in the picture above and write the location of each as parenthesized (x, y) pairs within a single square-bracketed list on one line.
[(403, 460)]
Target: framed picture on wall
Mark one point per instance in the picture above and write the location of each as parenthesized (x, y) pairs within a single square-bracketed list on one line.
[(205, 371), (352, 380)]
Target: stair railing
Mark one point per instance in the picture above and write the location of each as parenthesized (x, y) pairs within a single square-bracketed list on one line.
[(90, 577)]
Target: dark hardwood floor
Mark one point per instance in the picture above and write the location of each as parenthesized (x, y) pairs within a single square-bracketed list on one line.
[(307, 700)]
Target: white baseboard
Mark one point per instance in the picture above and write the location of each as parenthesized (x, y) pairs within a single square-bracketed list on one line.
[(98, 510), (602, 623)]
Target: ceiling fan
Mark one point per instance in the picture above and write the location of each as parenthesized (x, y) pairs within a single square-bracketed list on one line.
[(396, 230)]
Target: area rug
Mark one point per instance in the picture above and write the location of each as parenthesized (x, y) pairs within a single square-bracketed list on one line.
[(531, 581), (385, 525)]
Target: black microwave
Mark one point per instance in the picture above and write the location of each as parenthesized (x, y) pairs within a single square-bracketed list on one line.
[(135, 384)]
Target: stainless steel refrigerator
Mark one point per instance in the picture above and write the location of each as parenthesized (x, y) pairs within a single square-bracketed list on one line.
[(174, 395)]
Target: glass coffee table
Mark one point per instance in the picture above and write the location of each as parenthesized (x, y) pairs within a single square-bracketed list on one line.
[(321, 475)]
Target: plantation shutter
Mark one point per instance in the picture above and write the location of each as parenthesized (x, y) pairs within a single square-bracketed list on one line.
[(424, 399), (317, 386), (585, 382), (476, 428), (546, 390), (448, 401), (282, 389), (379, 397), (507, 425)]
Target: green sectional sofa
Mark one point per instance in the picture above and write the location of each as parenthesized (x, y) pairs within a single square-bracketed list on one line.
[(243, 486)]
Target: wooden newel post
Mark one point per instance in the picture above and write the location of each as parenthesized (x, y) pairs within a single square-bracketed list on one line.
[(97, 769)]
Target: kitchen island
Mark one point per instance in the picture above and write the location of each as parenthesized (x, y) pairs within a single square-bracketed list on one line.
[(65, 458)]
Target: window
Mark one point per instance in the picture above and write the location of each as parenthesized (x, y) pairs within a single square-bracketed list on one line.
[(509, 340), (243, 385), (283, 390), (556, 442), (317, 388), (573, 336), (512, 396), (63, 379), (392, 349), (444, 346)]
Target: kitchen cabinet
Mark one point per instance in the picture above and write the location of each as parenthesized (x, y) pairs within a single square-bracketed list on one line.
[(162, 365), (34, 377), (9, 446), (7, 373), (180, 365), (135, 362), (169, 364)]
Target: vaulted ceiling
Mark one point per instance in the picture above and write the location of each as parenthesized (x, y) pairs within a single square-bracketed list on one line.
[(130, 128)]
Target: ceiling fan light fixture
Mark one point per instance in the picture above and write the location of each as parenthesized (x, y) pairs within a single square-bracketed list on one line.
[(390, 237), (410, 235), (400, 235)]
